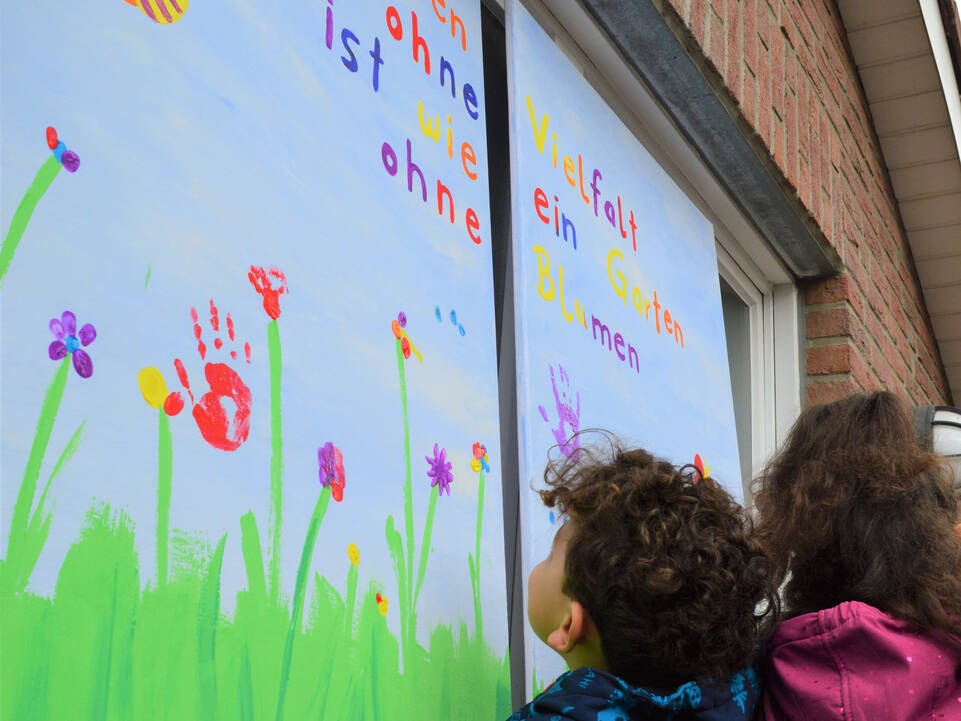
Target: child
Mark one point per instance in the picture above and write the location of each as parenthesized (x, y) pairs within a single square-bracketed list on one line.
[(649, 594), (867, 525)]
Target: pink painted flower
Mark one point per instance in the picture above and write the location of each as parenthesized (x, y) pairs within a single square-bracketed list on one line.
[(331, 463), (68, 340)]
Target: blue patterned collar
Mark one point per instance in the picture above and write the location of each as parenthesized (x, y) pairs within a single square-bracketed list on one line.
[(587, 694)]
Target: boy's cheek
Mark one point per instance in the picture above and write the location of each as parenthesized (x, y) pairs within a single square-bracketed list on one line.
[(535, 602)]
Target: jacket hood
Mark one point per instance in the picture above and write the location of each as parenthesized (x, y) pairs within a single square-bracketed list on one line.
[(587, 694), (854, 662)]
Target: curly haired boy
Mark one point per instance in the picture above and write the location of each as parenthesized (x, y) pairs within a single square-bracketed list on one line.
[(650, 594)]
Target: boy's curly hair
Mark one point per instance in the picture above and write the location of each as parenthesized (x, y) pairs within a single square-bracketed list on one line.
[(855, 510), (665, 564)]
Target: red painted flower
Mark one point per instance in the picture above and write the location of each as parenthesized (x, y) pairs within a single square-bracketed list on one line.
[(331, 462), (261, 280)]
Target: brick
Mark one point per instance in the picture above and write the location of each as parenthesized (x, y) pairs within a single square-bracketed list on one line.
[(698, 23), (804, 136), (749, 29), (790, 166), (829, 290), (814, 129), (804, 182), (732, 68), (764, 23), (830, 81), (798, 23), (716, 42), (829, 359), (895, 362), (790, 69), (764, 96), (824, 133), (749, 98), (827, 216), (829, 391), (777, 72), (778, 149), (828, 323), (812, 10)]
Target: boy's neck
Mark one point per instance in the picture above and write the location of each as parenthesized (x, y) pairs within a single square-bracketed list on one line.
[(586, 654)]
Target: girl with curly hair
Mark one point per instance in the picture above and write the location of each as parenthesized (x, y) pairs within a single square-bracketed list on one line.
[(865, 529)]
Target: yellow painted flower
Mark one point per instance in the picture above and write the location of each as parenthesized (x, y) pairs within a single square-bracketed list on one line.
[(382, 604), (475, 465), (154, 390), (153, 386), (353, 554)]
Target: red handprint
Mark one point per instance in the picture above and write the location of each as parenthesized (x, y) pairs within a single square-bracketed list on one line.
[(260, 279), (224, 382)]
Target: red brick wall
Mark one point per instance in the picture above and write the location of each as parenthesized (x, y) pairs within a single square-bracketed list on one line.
[(788, 71)]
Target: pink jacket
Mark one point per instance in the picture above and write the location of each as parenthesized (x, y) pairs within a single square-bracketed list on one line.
[(856, 663)]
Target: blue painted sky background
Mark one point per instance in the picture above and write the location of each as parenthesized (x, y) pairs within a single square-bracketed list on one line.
[(235, 137), (680, 402)]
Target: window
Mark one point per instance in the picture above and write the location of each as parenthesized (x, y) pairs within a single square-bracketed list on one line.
[(759, 298)]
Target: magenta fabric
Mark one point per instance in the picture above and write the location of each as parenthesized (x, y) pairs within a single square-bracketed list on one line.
[(856, 663)]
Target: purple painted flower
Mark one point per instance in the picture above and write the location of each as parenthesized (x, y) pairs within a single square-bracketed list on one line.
[(331, 462), (439, 471), (69, 340), (71, 161), (402, 319)]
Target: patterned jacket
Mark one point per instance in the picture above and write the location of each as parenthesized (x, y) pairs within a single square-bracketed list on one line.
[(587, 694)]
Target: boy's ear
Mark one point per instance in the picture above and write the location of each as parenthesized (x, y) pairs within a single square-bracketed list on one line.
[(957, 531), (577, 627)]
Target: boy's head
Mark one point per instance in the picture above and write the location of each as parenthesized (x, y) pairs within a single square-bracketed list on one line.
[(654, 577)]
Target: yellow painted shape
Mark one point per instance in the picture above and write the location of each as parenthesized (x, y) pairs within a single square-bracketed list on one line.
[(152, 386)]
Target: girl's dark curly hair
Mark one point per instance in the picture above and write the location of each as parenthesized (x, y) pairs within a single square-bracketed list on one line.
[(665, 564), (855, 510)]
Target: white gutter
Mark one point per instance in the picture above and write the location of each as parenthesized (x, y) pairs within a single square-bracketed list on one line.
[(942, 58)]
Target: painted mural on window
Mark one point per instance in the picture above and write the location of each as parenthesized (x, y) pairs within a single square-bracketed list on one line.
[(619, 322), (247, 474)]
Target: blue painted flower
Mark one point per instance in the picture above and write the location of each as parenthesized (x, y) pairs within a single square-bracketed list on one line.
[(68, 340), (439, 471)]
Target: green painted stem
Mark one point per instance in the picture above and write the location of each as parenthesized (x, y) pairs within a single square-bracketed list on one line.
[(28, 486), (478, 622), (296, 616), (425, 545), (253, 557), (101, 697), (38, 527), (408, 490), (276, 458), (208, 615), (165, 470), (351, 600), (395, 545), (41, 181)]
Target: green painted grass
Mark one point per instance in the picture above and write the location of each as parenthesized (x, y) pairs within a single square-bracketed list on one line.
[(102, 647)]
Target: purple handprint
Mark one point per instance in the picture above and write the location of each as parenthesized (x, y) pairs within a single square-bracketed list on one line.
[(567, 440)]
